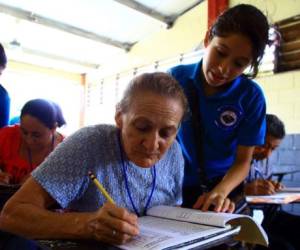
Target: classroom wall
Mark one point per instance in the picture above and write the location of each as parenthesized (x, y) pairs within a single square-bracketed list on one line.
[(285, 159), (281, 90), (282, 93)]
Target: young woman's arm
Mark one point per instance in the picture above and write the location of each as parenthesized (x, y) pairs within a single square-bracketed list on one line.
[(236, 174)]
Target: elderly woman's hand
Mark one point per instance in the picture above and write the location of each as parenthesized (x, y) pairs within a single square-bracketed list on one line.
[(215, 202), (113, 224)]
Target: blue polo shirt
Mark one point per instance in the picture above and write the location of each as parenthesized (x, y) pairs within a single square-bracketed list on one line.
[(4, 107), (235, 116)]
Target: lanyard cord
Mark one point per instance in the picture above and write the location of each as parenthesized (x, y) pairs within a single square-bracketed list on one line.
[(30, 156), (124, 168)]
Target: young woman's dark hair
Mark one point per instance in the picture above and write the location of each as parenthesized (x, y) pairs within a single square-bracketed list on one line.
[(3, 58), (275, 126), (246, 20), (48, 112)]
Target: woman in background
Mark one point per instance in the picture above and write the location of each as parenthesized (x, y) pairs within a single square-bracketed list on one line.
[(23, 147)]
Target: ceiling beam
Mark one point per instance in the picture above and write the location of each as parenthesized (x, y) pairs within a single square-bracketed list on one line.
[(31, 17), (167, 20), (60, 58), (53, 57), (189, 8)]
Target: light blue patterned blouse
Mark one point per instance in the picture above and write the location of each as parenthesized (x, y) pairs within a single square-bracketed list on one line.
[(259, 170), (64, 174)]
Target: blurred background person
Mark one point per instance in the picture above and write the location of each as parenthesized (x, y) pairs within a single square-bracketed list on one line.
[(279, 224), (259, 180), (24, 146)]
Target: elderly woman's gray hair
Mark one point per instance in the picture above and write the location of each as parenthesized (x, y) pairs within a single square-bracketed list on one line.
[(159, 83)]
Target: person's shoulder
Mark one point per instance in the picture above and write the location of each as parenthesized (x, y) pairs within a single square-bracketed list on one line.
[(175, 150), (250, 84), (176, 145), (184, 68), (180, 68), (10, 130), (184, 73), (100, 129), (95, 131), (3, 90), (10, 134), (94, 135), (251, 89), (173, 160)]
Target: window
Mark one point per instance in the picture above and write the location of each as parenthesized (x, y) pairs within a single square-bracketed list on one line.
[(24, 85), (288, 51)]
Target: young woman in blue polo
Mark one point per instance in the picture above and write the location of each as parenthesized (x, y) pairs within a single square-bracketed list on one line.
[(227, 108)]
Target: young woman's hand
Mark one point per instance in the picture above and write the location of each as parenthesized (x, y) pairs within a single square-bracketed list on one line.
[(214, 201)]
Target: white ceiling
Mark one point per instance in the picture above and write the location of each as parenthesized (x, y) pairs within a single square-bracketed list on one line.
[(79, 35)]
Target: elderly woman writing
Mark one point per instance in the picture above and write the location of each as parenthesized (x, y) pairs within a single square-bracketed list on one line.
[(137, 161), (23, 147)]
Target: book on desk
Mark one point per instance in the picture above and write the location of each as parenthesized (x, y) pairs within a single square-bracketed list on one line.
[(282, 197), (167, 227)]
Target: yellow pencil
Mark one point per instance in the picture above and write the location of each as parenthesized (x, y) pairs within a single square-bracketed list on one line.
[(100, 187)]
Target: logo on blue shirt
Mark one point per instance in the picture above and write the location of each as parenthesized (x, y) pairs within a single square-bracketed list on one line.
[(228, 117)]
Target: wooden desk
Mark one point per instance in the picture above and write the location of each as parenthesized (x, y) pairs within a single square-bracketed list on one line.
[(280, 174), (270, 210), (94, 245), (13, 242)]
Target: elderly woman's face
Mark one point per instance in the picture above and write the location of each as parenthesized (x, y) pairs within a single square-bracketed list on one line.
[(35, 133), (149, 127)]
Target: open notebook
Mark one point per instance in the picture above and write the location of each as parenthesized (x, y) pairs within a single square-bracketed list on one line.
[(167, 227)]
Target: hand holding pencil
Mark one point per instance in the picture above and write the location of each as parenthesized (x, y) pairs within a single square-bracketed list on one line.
[(112, 224), (262, 187), (100, 187), (277, 185)]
